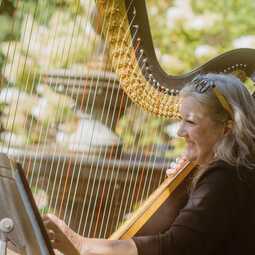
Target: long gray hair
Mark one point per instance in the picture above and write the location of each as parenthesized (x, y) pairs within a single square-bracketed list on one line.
[(238, 146)]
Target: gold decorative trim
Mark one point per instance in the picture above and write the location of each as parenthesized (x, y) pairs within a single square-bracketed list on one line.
[(123, 58)]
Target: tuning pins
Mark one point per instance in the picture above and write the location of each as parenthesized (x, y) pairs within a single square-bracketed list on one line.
[(234, 67), (134, 11)]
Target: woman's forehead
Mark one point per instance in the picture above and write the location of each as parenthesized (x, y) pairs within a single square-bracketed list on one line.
[(191, 108)]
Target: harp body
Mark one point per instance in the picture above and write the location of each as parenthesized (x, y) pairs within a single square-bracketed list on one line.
[(94, 190)]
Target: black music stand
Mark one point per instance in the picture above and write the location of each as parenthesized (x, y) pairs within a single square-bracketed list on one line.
[(21, 226)]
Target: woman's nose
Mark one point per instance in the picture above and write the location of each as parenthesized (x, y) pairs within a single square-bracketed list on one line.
[(181, 131)]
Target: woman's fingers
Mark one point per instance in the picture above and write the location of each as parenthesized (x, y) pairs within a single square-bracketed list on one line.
[(52, 237), (176, 166), (54, 223), (170, 172), (52, 219), (61, 236), (51, 234)]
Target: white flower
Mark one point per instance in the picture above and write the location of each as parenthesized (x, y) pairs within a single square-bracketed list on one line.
[(41, 199), (88, 133), (154, 10), (178, 15), (247, 41), (13, 139), (172, 64), (205, 51), (33, 36), (41, 110), (202, 22), (172, 129), (9, 95), (182, 4)]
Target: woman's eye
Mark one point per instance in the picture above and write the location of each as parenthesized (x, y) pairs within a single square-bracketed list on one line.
[(190, 121)]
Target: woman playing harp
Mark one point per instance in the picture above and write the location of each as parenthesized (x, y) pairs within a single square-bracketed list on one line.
[(218, 125)]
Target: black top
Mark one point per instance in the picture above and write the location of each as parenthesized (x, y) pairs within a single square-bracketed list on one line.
[(219, 217)]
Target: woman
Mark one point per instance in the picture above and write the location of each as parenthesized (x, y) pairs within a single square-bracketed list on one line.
[(218, 125)]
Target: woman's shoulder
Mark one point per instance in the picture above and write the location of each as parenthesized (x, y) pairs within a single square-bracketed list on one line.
[(219, 169), (219, 181), (222, 173)]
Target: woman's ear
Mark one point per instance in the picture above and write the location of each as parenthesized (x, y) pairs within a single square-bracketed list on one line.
[(228, 127)]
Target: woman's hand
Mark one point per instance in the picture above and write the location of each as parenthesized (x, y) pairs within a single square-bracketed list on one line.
[(68, 242), (61, 236), (176, 166)]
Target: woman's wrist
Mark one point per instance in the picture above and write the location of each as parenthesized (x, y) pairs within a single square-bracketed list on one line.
[(76, 240), (108, 247)]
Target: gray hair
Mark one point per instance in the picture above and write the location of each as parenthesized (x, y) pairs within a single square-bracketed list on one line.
[(238, 146)]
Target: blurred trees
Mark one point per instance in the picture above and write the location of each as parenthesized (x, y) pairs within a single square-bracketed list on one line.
[(194, 31)]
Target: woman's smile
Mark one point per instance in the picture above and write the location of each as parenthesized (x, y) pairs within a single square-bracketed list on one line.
[(199, 131)]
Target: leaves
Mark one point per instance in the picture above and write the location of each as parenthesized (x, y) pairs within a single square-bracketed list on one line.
[(186, 25)]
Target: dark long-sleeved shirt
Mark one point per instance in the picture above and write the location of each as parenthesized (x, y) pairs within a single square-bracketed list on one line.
[(219, 217)]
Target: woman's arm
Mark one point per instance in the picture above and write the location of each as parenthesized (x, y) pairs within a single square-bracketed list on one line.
[(68, 242), (108, 247)]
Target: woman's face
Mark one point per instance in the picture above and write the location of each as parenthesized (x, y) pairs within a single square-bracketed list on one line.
[(200, 132)]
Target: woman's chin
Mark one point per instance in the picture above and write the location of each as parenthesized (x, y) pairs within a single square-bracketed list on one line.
[(189, 155)]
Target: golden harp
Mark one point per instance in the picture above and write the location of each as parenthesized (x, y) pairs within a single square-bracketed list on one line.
[(94, 188)]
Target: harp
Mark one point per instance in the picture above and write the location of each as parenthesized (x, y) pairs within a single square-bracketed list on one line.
[(94, 186), (154, 90)]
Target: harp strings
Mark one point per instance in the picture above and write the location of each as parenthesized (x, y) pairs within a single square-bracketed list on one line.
[(61, 175), (114, 172), (78, 181), (60, 110), (92, 172), (73, 162), (124, 185), (53, 171), (76, 164), (100, 195), (130, 168), (135, 190), (39, 148), (11, 112)]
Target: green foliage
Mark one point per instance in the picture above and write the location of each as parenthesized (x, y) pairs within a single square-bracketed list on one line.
[(12, 14), (233, 19), (42, 11)]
